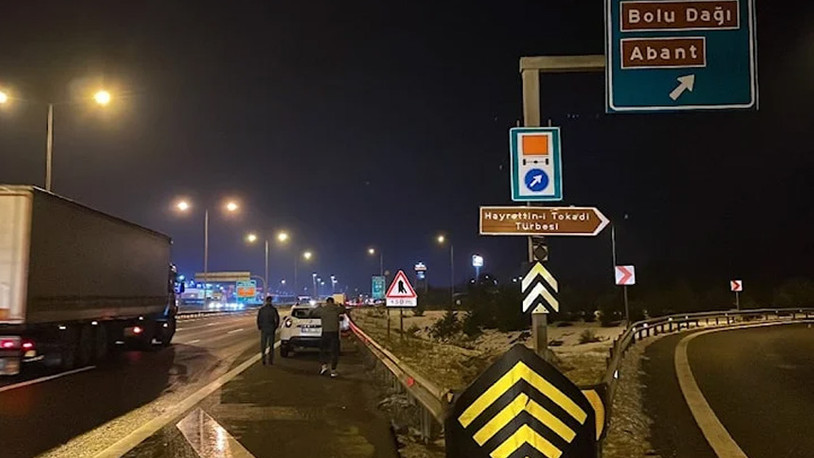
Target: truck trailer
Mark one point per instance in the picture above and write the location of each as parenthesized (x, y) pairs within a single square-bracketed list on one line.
[(75, 282)]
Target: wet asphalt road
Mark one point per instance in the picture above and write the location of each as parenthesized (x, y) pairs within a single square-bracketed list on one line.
[(288, 410), (759, 382), (37, 418)]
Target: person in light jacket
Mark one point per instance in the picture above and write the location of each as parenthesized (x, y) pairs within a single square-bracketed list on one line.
[(330, 315)]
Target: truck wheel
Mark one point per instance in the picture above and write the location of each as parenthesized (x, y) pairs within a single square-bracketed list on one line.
[(167, 333), (284, 350), (84, 353), (68, 344), (100, 343)]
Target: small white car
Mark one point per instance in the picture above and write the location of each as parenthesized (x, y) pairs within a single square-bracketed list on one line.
[(301, 330)]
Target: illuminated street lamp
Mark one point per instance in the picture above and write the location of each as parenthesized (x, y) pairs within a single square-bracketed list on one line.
[(282, 237), (372, 251), (252, 238), (442, 239), (102, 97), (184, 206)]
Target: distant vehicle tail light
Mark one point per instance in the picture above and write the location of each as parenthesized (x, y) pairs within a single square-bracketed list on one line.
[(138, 330), (28, 345), (8, 344)]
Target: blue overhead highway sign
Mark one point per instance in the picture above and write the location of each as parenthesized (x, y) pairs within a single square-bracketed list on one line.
[(669, 55)]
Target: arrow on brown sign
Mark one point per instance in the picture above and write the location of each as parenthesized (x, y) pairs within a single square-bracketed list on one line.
[(549, 221)]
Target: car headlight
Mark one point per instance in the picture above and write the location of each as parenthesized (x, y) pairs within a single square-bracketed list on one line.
[(288, 323)]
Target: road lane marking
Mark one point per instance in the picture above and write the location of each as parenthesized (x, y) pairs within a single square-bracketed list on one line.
[(194, 341), (234, 331), (133, 439), (208, 438), (714, 431), (45, 379)]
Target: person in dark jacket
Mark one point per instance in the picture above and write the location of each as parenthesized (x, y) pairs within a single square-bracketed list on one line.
[(268, 320), (330, 316)]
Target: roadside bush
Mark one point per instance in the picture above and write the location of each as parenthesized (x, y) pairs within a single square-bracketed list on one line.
[(413, 331), (588, 336), (471, 325), (446, 326), (418, 310)]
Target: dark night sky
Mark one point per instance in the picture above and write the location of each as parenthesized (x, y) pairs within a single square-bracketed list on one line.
[(359, 123)]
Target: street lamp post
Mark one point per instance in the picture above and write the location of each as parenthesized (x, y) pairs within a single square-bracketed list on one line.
[(307, 256), (101, 98), (185, 206), (251, 238), (314, 292), (441, 239), (372, 252)]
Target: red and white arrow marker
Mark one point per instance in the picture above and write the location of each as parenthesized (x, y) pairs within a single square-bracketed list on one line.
[(625, 275)]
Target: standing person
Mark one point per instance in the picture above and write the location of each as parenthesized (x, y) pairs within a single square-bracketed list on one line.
[(268, 320), (329, 315)]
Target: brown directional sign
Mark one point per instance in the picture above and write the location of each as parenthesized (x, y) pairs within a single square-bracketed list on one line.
[(549, 221)]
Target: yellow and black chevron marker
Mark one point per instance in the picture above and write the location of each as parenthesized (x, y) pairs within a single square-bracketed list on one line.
[(521, 407)]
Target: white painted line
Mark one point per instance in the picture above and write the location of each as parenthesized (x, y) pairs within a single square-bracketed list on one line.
[(130, 441), (714, 431), (194, 341), (208, 438), (45, 379), (234, 331)]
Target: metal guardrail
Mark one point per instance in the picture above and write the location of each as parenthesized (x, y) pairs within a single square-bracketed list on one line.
[(431, 399), (209, 313), (670, 323), (434, 401)]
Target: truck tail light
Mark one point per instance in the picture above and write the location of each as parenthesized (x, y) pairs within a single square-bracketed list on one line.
[(8, 344), (137, 330)]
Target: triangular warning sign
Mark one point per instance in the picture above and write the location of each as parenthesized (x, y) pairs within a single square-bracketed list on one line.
[(401, 288)]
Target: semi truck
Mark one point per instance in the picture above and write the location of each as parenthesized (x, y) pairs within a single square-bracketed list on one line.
[(76, 283)]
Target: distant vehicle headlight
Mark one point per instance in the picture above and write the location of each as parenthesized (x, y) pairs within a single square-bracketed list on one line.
[(288, 323)]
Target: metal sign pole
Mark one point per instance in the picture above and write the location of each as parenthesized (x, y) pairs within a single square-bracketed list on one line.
[(737, 300), (531, 118), (627, 308)]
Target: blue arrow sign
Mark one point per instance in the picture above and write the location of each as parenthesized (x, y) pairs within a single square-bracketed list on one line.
[(536, 164), (536, 180), (677, 55)]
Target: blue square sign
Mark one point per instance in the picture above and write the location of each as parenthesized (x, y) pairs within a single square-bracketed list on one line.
[(676, 55), (536, 164)]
